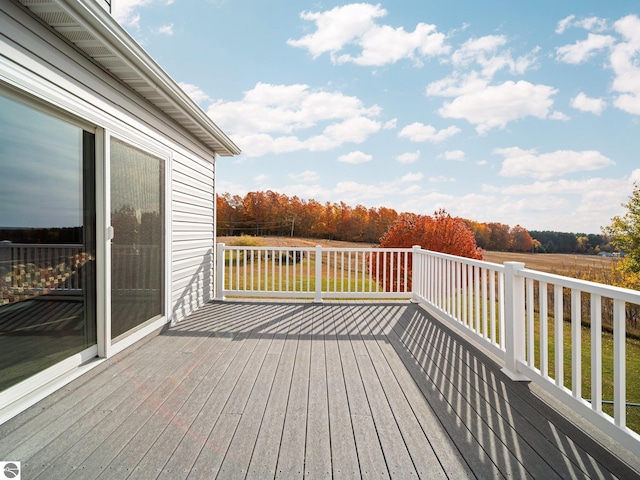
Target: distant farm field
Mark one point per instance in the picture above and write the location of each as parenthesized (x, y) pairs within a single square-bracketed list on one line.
[(558, 263)]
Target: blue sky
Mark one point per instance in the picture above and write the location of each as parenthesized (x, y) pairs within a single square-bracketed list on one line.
[(513, 112)]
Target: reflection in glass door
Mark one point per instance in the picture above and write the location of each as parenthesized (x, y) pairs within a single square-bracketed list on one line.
[(47, 240), (137, 249)]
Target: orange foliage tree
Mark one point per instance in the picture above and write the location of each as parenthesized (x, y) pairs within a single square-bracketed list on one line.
[(439, 233)]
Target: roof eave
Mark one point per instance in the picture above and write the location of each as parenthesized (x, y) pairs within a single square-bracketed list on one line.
[(134, 66)]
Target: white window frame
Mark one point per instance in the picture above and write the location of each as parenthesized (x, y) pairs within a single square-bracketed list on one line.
[(106, 346)]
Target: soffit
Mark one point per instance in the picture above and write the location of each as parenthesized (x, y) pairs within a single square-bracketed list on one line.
[(94, 31)]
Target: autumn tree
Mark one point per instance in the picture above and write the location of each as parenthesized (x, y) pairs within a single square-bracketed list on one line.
[(624, 232), (521, 241), (439, 233)]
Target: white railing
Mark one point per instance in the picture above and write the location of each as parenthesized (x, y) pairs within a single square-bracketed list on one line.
[(511, 312), (312, 272), (507, 310), (32, 266), (470, 293)]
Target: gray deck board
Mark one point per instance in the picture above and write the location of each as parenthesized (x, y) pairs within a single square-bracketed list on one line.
[(485, 402), (318, 442), (344, 457), (295, 390), (264, 458)]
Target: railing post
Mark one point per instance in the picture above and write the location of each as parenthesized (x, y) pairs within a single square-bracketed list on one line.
[(219, 271), (514, 339), (318, 296), (416, 274)]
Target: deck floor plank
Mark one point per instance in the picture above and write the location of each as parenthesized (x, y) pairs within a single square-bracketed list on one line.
[(397, 458), (264, 457), (149, 398), (344, 456), (483, 404), (318, 442), (448, 457), (152, 462), (136, 387), (420, 368), (422, 455), (262, 389), (236, 461), (508, 416), (34, 431), (292, 445), (211, 432), (125, 462)]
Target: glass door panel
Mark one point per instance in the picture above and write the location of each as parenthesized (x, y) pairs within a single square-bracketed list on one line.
[(137, 249), (47, 241)]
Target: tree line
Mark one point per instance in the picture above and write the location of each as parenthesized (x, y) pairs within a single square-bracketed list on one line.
[(274, 214)]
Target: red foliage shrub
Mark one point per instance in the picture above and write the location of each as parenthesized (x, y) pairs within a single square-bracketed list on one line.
[(439, 233)]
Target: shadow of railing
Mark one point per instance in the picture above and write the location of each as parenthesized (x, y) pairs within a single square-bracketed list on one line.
[(492, 426)]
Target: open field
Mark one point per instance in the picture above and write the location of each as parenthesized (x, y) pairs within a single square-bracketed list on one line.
[(558, 263)]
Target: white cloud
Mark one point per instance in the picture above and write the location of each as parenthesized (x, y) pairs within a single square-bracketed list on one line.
[(418, 132), (527, 163), (268, 118), (457, 155), (564, 23), (354, 26), (196, 93), (476, 63), (441, 179), (166, 29), (261, 180), (495, 106), (408, 157), (586, 104), (555, 115), (582, 50), (306, 176), (411, 177), (487, 52), (591, 23), (625, 59), (391, 124), (355, 158), (457, 84), (124, 11), (564, 186)]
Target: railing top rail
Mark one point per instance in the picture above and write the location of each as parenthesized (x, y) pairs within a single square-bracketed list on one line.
[(39, 245), (478, 263), (610, 291), (324, 249)]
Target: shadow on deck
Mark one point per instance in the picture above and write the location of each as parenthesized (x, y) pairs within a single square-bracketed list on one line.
[(291, 390)]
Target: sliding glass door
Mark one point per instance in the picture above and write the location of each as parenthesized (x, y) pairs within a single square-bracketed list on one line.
[(138, 247), (47, 239)]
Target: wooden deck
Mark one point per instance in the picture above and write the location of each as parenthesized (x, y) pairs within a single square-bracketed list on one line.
[(292, 390)]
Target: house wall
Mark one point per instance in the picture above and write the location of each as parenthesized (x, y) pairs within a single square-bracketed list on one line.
[(192, 234), (35, 60)]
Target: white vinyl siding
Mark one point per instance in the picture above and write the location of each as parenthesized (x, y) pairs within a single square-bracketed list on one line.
[(192, 235)]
